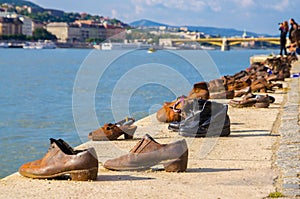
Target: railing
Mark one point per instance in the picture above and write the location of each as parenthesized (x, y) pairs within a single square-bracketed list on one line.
[(225, 43)]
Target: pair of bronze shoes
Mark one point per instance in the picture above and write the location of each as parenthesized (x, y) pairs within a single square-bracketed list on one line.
[(114, 131), (82, 165), (251, 100)]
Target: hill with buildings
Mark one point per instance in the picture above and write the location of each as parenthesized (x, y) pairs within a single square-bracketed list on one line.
[(46, 15), (26, 21), (20, 3)]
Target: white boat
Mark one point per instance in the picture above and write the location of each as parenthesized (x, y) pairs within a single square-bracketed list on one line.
[(45, 45), (207, 48), (97, 46), (29, 45), (151, 50), (39, 45), (3, 45), (15, 45), (106, 46)]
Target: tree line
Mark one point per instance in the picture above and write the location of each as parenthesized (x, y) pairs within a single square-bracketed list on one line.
[(38, 34)]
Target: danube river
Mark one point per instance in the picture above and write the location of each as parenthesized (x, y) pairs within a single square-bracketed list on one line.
[(60, 93)]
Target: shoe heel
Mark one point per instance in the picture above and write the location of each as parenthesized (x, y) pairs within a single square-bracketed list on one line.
[(128, 133), (128, 137), (84, 175), (178, 165)]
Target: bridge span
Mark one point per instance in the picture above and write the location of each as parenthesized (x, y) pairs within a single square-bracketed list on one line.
[(224, 42)]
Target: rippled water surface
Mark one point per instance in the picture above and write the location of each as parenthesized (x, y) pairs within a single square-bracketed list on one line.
[(36, 88)]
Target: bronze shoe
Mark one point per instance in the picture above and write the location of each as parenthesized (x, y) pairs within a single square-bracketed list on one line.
[(147, 153), (62, 160), (263, 101), (242, 103), (250, 100), (114, 131)]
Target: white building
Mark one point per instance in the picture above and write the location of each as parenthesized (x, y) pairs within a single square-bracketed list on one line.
[(27, 26), (68, 33), (64, 32)]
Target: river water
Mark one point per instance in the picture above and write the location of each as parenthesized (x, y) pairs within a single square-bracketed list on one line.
[(66, 93)]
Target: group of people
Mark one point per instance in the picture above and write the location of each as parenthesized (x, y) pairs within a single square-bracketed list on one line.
[(293, 35)]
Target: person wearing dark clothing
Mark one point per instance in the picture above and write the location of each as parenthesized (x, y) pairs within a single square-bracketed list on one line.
[(295, 46), (294, 26), (284, 28)]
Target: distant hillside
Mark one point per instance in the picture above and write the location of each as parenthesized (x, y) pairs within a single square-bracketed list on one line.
[(146, 23), (227, 32), (20, 3)]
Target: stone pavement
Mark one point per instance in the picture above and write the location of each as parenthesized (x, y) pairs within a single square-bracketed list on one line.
[(238, 166), (288, 153)]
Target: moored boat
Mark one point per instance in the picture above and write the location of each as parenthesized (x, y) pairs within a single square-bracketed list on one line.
[(39, 45), (151, 50), (3, 45)]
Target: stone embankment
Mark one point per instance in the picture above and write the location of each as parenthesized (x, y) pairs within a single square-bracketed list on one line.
[(288, 151)]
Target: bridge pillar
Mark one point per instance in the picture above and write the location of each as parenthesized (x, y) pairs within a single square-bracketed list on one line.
[(225, 44)]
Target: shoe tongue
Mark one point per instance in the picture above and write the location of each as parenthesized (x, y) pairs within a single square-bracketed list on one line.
[(54, 141), (147, 144), (53, 144), (62, 145)]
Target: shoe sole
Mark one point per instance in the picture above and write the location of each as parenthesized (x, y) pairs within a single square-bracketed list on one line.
[(173, 165), (76, 175), (225, 132)]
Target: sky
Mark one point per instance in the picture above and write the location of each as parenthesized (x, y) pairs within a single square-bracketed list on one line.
[(260, 16)]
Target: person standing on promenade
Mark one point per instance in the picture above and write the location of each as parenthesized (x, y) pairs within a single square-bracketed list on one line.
[(284, 28), (294, 26), (295, 45)]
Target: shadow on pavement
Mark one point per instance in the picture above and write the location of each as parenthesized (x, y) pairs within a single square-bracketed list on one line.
[(121, 178)]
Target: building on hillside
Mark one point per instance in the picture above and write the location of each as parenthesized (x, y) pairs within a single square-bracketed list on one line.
[(162, 28), (27, 26), (76, 32), (27, 22), (33, 10), (8, 14), (19, 9), (87, 22), (247, 44), (10, 26), (65, 33), (55, 13), (184, 29), (7, 7), (165, 43), (91, 29), (115, 32), (37, 24)]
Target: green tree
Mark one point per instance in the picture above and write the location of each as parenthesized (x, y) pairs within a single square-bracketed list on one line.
[(43, 34)]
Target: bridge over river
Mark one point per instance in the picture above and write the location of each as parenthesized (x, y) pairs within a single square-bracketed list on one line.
[(224, 42)]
